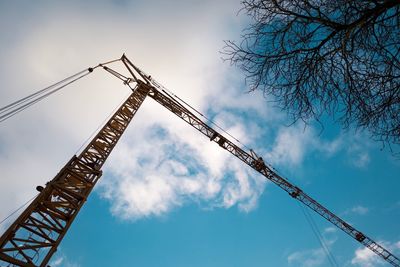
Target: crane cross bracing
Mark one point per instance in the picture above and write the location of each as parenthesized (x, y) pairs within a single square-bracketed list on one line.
[(34, 237)]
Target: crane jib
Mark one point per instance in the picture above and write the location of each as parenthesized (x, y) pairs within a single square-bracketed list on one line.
[(258, 164), (35, 235)]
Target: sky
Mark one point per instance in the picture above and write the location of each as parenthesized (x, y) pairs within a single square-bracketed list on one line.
[(168, 196)]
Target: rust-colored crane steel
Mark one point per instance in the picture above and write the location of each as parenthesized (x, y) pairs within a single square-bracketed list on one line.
[(33, 238)]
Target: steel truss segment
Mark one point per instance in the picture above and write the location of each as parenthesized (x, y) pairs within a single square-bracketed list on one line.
[(258, 164), (33, 238)]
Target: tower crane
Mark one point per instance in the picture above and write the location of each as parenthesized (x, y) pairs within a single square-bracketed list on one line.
[(34, 236)]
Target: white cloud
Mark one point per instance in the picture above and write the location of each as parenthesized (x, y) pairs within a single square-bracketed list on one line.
[(161, 163), (61, 260), (362, 159), (289, 147), (57, 262), (309, 258), (360, 210), (364, 257), (180, 49), (357, 149), (293, 143), (357, 210), (316, 256), (173, 167), (330, 229)]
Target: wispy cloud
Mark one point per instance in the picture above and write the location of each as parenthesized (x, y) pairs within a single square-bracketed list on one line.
[(152, 178), (357, 149), (63, 261), (357, 210), (307, 258), (364, 257), (166, 164), (181, 52), (293, 143), (362, 159), (360, 210), (57, 262), (316, 256), (144, 177)]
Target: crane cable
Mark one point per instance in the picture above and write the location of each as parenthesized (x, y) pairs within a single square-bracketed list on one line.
[(305, 211), (162, 87), (90, 137), (319, 236), (171, 94), (14, 108), (15, 211)]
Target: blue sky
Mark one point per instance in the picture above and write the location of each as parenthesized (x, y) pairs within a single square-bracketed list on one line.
[(168, 196)]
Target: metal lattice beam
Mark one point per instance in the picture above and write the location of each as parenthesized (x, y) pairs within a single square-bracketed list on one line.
[(33, 238), (258, 164)]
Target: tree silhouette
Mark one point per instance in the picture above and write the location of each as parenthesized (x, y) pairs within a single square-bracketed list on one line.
[(317, 57)]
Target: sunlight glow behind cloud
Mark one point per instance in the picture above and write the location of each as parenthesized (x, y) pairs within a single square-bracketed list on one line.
[(144, 177), (161, 164)]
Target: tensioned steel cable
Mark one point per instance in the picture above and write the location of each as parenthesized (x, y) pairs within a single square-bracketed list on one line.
[(101, 125), (318, 235), (14, 108), (16, 210), (22, 100), (171, 94), (166, 90)]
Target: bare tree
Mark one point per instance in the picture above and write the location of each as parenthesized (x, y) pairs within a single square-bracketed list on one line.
[(317, 57)]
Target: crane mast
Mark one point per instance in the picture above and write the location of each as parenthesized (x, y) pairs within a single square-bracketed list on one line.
[(34, 237)]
